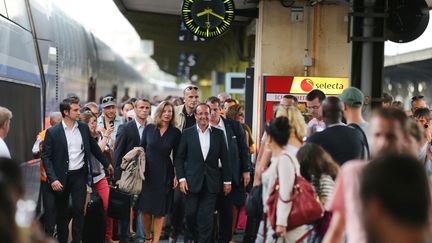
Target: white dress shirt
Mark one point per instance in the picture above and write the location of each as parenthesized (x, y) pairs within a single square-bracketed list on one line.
[(204, 138), (4, 151), (75, 146), (140, 128), (316, 125)]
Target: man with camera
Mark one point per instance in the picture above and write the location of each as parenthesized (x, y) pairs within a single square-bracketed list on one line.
[(109, 118)]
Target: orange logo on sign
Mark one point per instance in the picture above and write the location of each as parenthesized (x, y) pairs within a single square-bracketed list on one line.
[(306, 85)]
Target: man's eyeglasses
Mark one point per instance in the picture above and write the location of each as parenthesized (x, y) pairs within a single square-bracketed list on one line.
[(417, 97), (107, 99), (313, 107)]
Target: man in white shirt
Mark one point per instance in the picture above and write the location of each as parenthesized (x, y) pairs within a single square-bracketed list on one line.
[(200, 177), (314, 100), (67, 148), (5, 117)]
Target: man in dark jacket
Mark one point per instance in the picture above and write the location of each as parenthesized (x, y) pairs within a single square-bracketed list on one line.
[(200, 176), (67, 148), (128, 137)]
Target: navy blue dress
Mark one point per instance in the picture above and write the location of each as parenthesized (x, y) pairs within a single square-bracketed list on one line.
[(157, 194)]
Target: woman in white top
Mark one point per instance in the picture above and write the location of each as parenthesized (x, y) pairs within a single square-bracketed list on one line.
[(283, 166)]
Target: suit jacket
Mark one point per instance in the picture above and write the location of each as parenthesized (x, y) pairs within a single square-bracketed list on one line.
[(127, 138), (190, 164), (55, 155), (238, 151)]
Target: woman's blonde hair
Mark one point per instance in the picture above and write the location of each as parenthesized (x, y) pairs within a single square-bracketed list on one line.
[(86, 116), (295, 119), (297, 122), (159, 110), (280, 111)]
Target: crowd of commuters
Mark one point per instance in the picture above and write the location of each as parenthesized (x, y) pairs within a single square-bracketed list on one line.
[(371, 176)]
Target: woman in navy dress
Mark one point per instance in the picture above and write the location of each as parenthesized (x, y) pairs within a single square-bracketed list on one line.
[(159, 140)]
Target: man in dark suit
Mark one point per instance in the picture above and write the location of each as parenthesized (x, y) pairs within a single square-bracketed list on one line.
[(238, 154), (128, 137), (67, 148), (200, 150)]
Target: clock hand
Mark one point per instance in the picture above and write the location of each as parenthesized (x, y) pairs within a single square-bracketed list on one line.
[(206, 11), (215, 14)]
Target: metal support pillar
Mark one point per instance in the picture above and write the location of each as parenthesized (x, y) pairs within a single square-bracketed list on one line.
[(367, 63)]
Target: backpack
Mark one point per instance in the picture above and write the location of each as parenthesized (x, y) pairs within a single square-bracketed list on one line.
[(133, 166), (365, 145)]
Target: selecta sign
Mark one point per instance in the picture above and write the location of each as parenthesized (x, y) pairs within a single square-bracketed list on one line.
[(273, 88), (330, 86)]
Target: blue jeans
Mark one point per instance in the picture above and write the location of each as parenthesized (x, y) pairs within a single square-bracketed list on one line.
[(123, 230), (139, 228)]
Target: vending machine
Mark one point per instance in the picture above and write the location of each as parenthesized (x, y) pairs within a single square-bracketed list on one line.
[(275, 87)]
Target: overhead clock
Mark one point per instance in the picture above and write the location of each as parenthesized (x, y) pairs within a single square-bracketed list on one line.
[(208, 18)]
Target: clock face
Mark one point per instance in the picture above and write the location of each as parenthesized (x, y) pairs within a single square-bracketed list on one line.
[(208, 18)]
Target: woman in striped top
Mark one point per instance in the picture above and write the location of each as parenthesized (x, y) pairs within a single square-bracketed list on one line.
[(319, 168)]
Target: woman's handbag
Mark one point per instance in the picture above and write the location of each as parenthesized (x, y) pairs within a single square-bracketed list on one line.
[(254, 202), (94, 220), (305, 206), (119, 204)]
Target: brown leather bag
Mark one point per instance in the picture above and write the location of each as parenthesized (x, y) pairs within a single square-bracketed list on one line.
[(305, 209)]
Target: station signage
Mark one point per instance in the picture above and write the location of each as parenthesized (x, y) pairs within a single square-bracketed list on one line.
[(276, 97), (330, 86)]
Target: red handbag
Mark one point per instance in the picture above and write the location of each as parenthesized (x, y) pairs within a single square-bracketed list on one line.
[(305, 205)]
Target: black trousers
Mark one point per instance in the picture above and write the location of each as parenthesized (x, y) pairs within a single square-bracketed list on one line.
[(199, 208), (177, 213), (75, 192), (48, 202), (224, 208)]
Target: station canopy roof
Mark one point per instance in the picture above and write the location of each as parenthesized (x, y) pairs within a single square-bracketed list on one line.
[(160, 21)]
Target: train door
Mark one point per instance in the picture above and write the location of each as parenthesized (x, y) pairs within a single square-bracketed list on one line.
[(52, 89)]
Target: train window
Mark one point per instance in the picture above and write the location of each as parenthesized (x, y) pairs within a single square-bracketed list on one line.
[(17, 12), (235, 83), (3, 8)]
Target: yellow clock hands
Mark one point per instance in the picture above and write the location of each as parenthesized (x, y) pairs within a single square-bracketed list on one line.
[(206, 11), (215, 14), (209, 11), (208, 22)]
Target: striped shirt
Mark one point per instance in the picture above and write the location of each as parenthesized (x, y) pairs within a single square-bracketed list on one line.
[(324, 186)]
